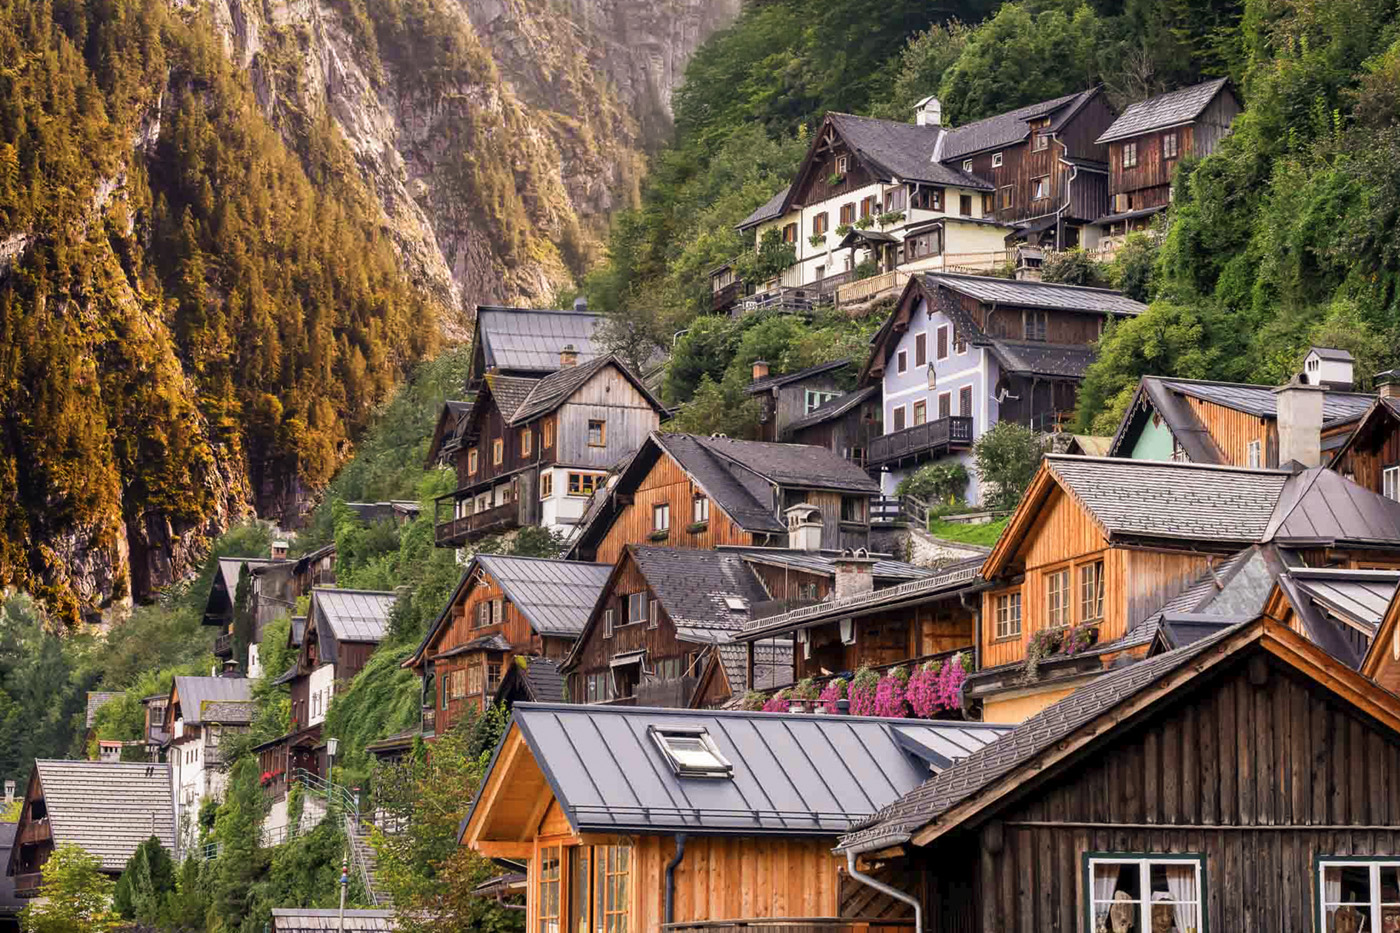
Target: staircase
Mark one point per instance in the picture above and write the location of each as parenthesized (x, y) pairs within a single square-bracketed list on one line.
[(333, 799), (363, 857)]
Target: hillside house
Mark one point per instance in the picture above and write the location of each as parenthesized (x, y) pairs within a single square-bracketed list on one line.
[(1197, 421), (1241, 782), (504, 609), (1370, 455), (107, 808), (787, 397), (1149, 140), (845, 425), (532, 450), (688, 491), (1109, 550), (273, 587), (525, 342), (630, 819), (200, 713), (960, 353)]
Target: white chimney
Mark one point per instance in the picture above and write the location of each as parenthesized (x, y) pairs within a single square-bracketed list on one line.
[(1329, 367), (804, 522), (1300, 422), (928, 112), (855, 573)]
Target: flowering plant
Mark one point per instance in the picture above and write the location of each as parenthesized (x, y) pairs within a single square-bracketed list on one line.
[(922, 692), (889, 695), (833, 692), (948, 691), (1080, 638), (806, 689), (862, 692), (753, 701), (777, 703)]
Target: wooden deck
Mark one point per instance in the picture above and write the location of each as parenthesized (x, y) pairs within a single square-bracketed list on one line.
[(921, 442)]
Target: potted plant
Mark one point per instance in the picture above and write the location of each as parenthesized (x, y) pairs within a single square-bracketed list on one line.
[(753, 701), (862, 692), (817, 239), (889, 694), (661, 534), (922, 692), (1040, 646), (948, 692), (842, 230), (832, 694), (804, 695), (865, 223), (890, 217), (835, 178), (1080, 638)]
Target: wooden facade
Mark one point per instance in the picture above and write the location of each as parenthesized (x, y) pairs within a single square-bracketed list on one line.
[(1145, 182), (1374, 449), (783, 404), (887, 637)]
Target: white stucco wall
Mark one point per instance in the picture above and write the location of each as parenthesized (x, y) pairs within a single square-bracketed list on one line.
[(322, 682)]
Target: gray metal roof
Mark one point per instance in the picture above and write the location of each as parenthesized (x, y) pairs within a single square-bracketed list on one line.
[(1333, 353), (1151, 498), (556, 596), (1361, 595), (1037, 294), (692, 586), (609, 775), (197, 693), (1165, 110), (108, 807), (902, 150), (353, 615), (768, 210), (1068, 361), (1004, 129), (1318, 506), (96, 699), (1261, 400), (296, 919), (529, 339)]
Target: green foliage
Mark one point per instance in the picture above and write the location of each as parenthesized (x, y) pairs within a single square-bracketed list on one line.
[(1007, 457), (1133, 269), (770, 259), (1072, 267), (74, 896), (146, 884), (924, 61), (10, 812), (985, 534), (945, 481)]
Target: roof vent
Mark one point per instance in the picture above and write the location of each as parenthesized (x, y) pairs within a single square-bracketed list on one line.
[(691, 752), (580, 303)]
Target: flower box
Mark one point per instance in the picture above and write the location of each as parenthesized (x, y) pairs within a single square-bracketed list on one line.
[(660, 535), (696, 527)]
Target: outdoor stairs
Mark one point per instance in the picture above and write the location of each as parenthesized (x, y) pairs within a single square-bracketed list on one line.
[(366, 864)]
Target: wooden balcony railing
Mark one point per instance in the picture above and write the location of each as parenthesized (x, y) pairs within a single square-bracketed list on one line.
[(792, 925), (27, 884), (871, 288), (722, 298), (34, 832), (922, 440), (455, 531), (223, 645)]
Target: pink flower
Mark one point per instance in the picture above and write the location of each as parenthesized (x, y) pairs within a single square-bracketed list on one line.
[(777, 703), (835, 690), (889, 698), (922, 692)]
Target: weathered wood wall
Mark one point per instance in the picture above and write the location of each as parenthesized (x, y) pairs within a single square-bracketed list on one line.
[(1233, 430), (888, 637), (1368, 457), (608, 396)]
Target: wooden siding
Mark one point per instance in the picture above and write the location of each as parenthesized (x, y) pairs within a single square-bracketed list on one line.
[(888, 638), (1367, 457), (1260, 780), (668, 483), (1009, 321), (1152, 578), (611, 397), (812, 187), (1233, 430), (1088, 200), (791, 403), (1147, 184), (788, 584)]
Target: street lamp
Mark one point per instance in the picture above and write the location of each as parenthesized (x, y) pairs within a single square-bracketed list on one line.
[(331, 745)]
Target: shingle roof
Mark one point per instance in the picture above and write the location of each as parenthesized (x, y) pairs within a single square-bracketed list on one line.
[(793, 465), (769, 209), (529, 340), (1261, 400), (1037, 294), (832, 409), (770, 382), (1165, 110), (1150, 498), (609, 775), (510, 392), (546, 683), (96, 699), (229, 711), (196, 694), (353, 615), (1044, 359), (1320, 506), (894, 824), (556, 596), (495, 641), (107, 807), (1003, 129), (902, 150), (299, 919), (884, 569), (692, 586), (772, 665)]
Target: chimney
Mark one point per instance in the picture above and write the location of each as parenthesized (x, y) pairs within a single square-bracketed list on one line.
[(568, 356), (1388, 383), (279, 550), (804, 522), (580, 304), (230, 669), (9, 791), (855, 573), (1330, 368), (928, 112), (760, 370), (1300, 421)]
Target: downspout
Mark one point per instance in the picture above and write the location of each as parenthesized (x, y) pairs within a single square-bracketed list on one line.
[(878, 886), (671, 867)]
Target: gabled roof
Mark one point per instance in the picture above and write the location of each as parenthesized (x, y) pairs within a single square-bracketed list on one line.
[(1008, 128), (510, 392), (447, 430), (693, 585), (196, 694), (768, 210), (1174, 108), (538, 678), (229, 712), (108, 807), (558, 387), (352, 615), (1027, 294), (528, 340), (1378, 421), (1320, 507), (1153, 394), (834, 408), (1332, 353), (224, 588), (1261, 401), (608, 774), (1340, 610), (823, 563), (768, 383), (907, 151)]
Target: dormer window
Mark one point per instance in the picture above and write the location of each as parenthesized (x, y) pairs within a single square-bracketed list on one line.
[(996, 160), (843, 164), (967, 165), (691, 752)]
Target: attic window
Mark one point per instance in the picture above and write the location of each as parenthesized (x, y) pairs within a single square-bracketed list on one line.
[(967, 165), (843, 163), (996, 160), (736, 603), (691, 752)]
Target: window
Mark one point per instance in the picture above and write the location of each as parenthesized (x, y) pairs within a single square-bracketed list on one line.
[(1041, 142), (1057, 598), (819, 223), (921, 349), (848, 213), (493, 676), (498, 610), (896, 199), (943, 342), (615, 875), (597, 433), (959, 343), (1390, 483), (1037, 325), (598, 688), (843, 163), (483, 613), (653, 613), (527, 442), (661, 517), (965, 401), (473, 461), (1008, 607), (920, 413), (473, 679), (902, 361), (1091, 592), (1254, 455), (669, 669), (996, 160), (1161, 893), (1129, 155), (546, 485), (691, 752), (547, 430), (945, 404), (853, 508), (967, 165), (636, 608), (700, 509), (582, 484), (498, 451), (790, 232), (929, 243), (965, 205), (816, 398), (1358, 895), (1040, 187), (869, 205), (928, 199), (1170, 146), (580, 887), (457, 684), (1008, 197), (549, 884), (609, 621), (899, 418)]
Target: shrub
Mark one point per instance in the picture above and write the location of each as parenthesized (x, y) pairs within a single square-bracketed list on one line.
[(1007, 457), (753, 701), (777, 703), (865, 269), (1072, 267), (937, 482), (806, 689)]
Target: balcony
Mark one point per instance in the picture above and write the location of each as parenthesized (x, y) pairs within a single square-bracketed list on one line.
[(27, 884), (33, 833), (429, 721), (792, 925), (454, 532), (223, 645), (868, 289), (723, 298), (921, 442)]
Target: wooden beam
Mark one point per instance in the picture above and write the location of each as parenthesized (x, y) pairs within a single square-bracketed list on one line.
[(482, 813), (510, 850)]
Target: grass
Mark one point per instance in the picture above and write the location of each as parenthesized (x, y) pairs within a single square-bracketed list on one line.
[(985, 535)]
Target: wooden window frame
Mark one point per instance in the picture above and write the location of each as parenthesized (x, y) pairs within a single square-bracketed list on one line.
[(819, 223), (1008, 197), (527, 442), (1065, 593), (661, 516), (941, 345), (1040, 188), (998, 160), (547, 433), (920, 349), (483, 614), (965, 205), (920, 413), (498, 451), (1130, 155), (549, 910), (897, 418), (1082, 572), (1144, 861), (609, 622), (546, 485), (616, 916), (1173, 150), (1040, 141), (1002, 627), (583, 480), (848, 212), (629, 604), (945, 404), (901, 362), (843, 164), (1254, 454), (1035, 325), (602, 432), (965, 395), (473, 461), (653, 613)]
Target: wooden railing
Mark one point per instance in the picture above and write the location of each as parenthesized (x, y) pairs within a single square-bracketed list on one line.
[(33, 832), (799, 299), (871, 288), (27, 884), (723, 297), (940, 434), (223, 645), (792, 925), (456, 530)]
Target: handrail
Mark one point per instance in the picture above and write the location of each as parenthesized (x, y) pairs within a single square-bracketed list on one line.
[(357, 858), (334, 794)]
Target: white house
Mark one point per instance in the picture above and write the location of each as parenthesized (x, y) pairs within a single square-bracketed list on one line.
[(201, 712)]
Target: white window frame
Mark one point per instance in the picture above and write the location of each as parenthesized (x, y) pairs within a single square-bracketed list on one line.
[(700, 509), (1375, 906), (1059, 599), (637, 610), (609, 617), (1144, 862), (1390, 483), (996, 160), (967, 165), (1254, 455), (699, 758), (843, 164), (1130, 155), (661, 516)]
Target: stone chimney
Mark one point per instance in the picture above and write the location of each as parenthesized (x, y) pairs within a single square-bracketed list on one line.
[(580, 304), (928, 112), (1388, 383), (855, 573), (804, 522), (568, 356), (760, 370), (1299, 421), (279, 550)]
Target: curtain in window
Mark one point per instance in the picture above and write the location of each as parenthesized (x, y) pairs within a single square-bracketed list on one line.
[(1181, 882), (1105, 880)]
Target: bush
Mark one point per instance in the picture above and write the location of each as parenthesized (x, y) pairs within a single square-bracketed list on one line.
[(1007, 457), (944, 482), (1072, 267), (1131, 271)]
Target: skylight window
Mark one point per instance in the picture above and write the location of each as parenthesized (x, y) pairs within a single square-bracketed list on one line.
[(736, 603), (691, 752)]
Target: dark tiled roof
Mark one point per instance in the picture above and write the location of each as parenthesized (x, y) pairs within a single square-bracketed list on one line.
[(771, 382), (529, 340), (1160, 499), (1165, 110), (902, 150), (769, 209), (894, 824), (1037, 294), (546, 683), (772, 665), (556, 596), (692, 586), (510, 392), (97, 699), (1321, 506), (109, 808), (1044, 359), (835, 408), (558, 387), (1004, 129), (229, 711), (1261, 400), (792, 465)]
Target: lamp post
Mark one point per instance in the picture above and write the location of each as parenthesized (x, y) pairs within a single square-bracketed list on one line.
[(331, 745)]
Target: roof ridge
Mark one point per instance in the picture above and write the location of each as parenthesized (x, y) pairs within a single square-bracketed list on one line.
[(1027, 282), (1247, 385), (1175, 464), (481, 307), (748, 714)]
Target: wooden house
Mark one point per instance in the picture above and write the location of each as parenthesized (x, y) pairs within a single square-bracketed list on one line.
[(532, 450), (504, 609), (845, 425), (273, 586), (786, 397), (531, 680), (1338, 610), (960, 353), (1370, 456), (633, 819), (1242, 782), (526, 341), (688, 491), (107, 808), (1197, 421), (1149, 140)]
